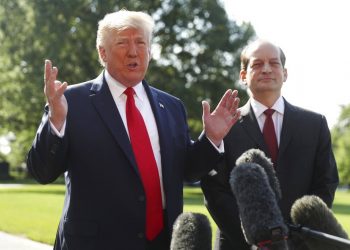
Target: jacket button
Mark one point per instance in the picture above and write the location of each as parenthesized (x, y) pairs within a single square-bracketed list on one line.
[(140, 235), (141, 198)]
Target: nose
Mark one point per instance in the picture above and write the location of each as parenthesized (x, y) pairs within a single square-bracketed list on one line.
[(266, 67), (132, 51)]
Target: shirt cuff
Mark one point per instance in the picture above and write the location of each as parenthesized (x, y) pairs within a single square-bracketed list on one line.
[(220, 148), (56, 132)]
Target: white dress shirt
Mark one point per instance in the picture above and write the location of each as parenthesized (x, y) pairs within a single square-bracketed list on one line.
[(277, 116)]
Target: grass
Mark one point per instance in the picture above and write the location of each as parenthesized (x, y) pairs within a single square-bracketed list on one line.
[(194, 202), (33, 211), (341, 209)]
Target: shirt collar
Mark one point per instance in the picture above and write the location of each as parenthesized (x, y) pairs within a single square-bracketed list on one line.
[(118, 89), (259, 108)]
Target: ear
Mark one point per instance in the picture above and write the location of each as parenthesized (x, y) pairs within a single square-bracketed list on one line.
[(243, 76), (102, 52), (285, 74)]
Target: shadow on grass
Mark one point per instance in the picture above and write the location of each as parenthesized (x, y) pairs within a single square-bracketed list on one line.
[(32, 191), (60, 180), (30, 186)]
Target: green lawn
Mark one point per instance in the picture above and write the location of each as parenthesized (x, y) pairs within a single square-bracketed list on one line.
[(34, 210)]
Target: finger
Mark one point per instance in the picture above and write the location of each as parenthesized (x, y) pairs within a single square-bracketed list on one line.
[(232, 103), (238, 115), (49, 77), (47, 70), (47, 73), (235, 117), (206, 109), (225, 99), (234, 93), (235, 104), (61, 88), (52, 82), (54, 73)]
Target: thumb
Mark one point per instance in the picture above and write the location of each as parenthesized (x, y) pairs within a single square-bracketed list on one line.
[(206, 109)]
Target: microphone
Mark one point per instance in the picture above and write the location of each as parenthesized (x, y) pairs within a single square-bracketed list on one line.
[(310, 213), (257, 156), (261, 218), (191, 231)]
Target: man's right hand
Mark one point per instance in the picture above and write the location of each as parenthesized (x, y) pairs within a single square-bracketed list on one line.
[(54, 90)]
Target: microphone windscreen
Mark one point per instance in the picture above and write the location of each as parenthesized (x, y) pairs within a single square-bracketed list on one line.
[(312, 212), (191, 231), (257, 204), (257, 156)]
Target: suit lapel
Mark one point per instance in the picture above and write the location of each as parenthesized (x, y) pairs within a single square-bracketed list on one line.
[(250, 125), (288, 126), (102, 100), (160, 115)]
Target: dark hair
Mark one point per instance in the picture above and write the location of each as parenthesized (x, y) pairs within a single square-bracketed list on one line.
[(245, 58)]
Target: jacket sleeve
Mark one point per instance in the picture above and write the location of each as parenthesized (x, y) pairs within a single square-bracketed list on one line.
[(325, 177), (46, 157)]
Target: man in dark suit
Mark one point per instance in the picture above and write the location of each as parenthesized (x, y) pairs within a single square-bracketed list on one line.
[(304, 163), (85, 134)]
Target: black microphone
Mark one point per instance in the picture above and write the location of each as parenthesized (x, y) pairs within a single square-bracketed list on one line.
[(257, 156), (317, 225), (191, 231), (261, 218)]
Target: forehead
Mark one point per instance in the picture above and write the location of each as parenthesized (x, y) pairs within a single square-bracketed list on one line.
[(263, 50), (127, 33), (130, 32)]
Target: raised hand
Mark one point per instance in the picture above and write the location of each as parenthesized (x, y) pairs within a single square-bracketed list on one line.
[(54, 90), (218, 123)]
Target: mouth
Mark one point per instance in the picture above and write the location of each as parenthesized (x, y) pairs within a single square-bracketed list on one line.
[(265, 79), (132, 65)]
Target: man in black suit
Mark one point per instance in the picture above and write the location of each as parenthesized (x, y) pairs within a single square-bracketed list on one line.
[(304, 163), (85, 133)]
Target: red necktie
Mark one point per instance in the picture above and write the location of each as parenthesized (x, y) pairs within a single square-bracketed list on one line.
[(270, 135), (147, 166)]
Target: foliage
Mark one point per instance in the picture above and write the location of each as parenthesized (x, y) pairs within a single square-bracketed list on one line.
[(196, 54), (341, 144)]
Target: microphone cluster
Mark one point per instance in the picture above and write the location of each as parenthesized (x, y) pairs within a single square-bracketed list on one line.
[(257, 190)]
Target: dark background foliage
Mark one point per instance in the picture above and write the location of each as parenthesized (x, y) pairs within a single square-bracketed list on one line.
[(196, 55)]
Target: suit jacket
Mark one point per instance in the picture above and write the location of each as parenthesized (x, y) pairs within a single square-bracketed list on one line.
[(104, 204), (305, 165)]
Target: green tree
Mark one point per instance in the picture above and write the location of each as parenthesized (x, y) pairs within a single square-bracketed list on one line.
[(341, 144), (20, 102), (196, 49)]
